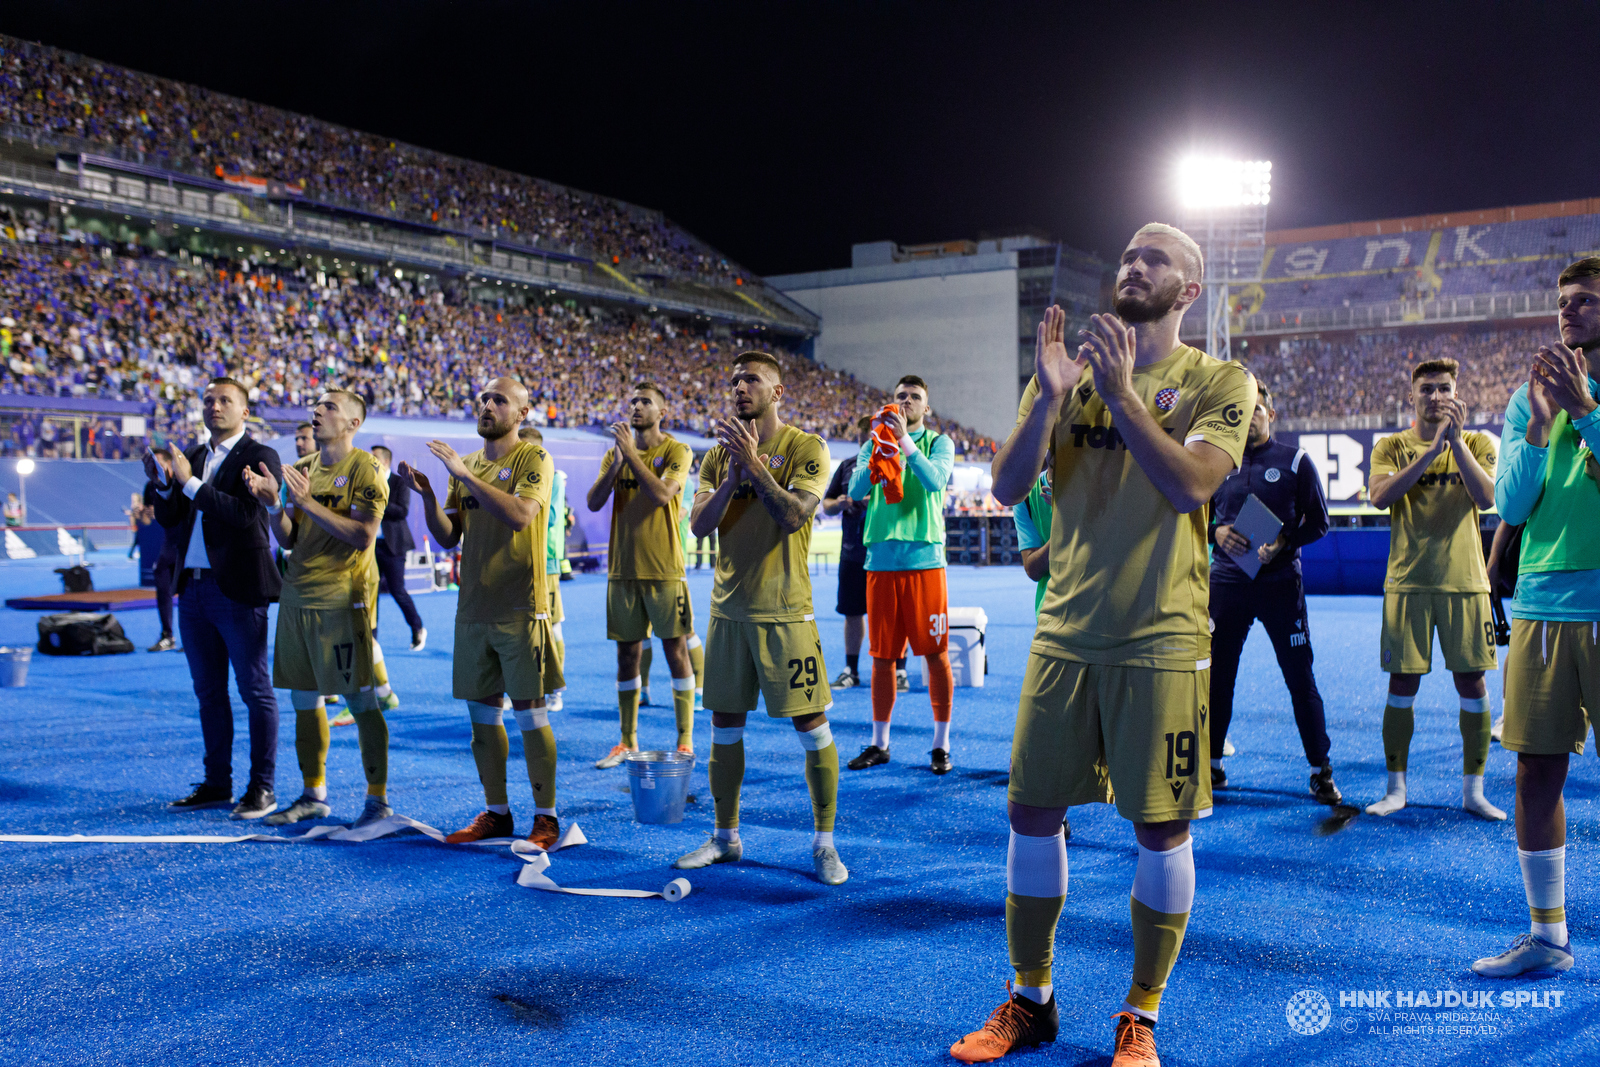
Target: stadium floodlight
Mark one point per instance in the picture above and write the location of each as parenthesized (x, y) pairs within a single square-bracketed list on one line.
[(1213, 183), (1223, 206)]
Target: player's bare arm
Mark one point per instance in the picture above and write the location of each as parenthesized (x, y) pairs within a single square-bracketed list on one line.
[(710, 507), (789, 510), (1385, 489), (355, 529), (600, 491), (514, 511), (445, 528), (1188, 475), (1036, 562), (662, 491), (1021, 458), (1478, 482)]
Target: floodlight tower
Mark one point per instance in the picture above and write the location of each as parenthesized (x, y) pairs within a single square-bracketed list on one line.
[(1224, 208)]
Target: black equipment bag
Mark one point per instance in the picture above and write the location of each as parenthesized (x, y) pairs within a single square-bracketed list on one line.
[(75, 579), (82, 633)]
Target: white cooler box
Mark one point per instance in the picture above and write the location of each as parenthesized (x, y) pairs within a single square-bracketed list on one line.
[(420, 572), (967, 660)]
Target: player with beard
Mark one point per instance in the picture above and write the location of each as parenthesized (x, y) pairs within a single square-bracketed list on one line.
[(1434, 478), (643, 476), (1549, 479), (328, 525), (758, 488), (1139, 432), (495, 509)]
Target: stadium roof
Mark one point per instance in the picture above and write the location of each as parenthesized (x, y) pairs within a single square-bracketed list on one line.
[(1420, 223)]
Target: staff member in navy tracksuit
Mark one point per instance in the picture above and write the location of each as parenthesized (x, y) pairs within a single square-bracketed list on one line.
[(1286, 481)]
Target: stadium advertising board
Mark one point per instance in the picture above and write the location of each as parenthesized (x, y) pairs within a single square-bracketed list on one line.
[(1343, 458)]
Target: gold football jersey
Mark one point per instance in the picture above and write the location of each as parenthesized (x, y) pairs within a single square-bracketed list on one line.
[(1129, 577)]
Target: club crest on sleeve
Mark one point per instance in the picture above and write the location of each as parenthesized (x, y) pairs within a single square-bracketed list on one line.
[(1166, 400), (776, 461), (341, 481), (505, 472)]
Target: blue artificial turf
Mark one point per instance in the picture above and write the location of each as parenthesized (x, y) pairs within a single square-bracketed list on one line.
[(406, 951)]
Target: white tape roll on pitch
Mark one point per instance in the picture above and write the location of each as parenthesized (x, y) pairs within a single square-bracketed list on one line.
[(533, 877)]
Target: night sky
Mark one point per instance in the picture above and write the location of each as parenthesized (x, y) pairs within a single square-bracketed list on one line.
[(784, 132)]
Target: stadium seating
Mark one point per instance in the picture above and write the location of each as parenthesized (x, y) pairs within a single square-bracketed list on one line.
[(1371, 375), (1452, 261), (146, 329), (188, 128)]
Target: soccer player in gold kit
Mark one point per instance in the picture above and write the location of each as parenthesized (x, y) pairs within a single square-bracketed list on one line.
[(643, 477), (495, 509), (1435, 478), (759, 486), (1139, 432), (336, 497)]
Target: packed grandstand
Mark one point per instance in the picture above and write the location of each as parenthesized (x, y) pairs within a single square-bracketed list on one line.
[(186, 126), (1333, 327), (87, 316)]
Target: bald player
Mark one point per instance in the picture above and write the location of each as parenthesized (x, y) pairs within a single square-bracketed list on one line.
[(495, 509), (328, 525), (759, 486)]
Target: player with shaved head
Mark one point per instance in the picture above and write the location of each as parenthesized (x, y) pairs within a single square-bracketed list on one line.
[(1139, 432), (496, 509), (328, 524)]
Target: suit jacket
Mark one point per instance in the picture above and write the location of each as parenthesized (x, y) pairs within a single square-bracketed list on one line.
[(237, 543), (394, 531)]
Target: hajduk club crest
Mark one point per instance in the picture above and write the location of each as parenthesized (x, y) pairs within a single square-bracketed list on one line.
[(1166, 400), (339, 482), (505, 472)]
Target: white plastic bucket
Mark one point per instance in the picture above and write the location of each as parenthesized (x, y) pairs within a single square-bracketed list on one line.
[(659, 782), (14, 666)]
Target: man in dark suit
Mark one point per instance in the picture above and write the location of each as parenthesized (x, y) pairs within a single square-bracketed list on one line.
[(227, 579), (394, 541)]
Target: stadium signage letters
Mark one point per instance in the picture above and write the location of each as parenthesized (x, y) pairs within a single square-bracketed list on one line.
[(1342, 459)]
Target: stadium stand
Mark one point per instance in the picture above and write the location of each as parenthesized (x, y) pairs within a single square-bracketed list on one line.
[(1371, 374), (96, 318), (85, 323), (1343, 312), (190, 128)]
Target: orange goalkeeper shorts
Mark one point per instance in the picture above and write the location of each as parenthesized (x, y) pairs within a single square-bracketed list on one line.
[(908, 606)]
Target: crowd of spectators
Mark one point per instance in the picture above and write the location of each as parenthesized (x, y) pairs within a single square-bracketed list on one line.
[(81, 321), (195, 128), (1372, 375)]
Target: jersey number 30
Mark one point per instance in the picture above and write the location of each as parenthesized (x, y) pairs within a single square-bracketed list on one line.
[(938, 625)]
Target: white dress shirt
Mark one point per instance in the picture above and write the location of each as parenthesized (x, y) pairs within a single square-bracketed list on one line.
[(215, 454)]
